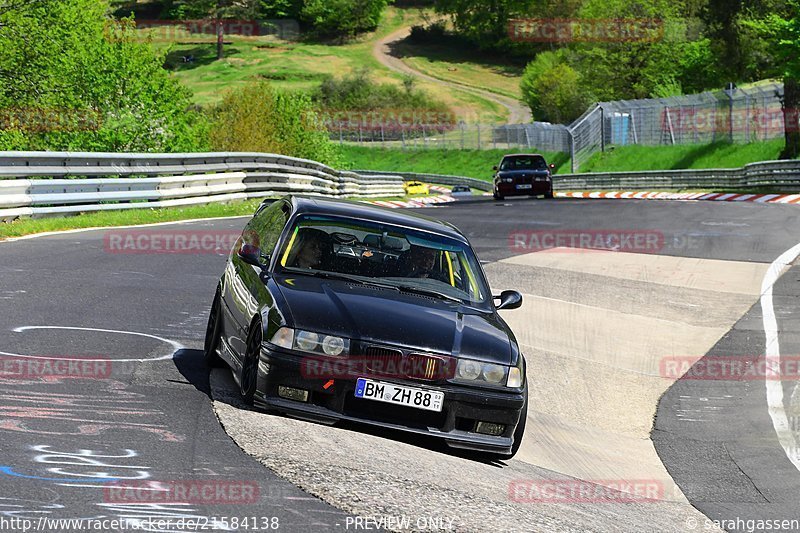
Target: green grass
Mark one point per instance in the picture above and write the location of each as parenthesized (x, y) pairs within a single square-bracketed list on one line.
[(718, 155), (453, 61), (479, 163), (128, 217), (469, 163)]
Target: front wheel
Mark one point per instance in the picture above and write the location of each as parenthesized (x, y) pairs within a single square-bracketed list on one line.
[(248, 379), (497, 195), (213, 331)]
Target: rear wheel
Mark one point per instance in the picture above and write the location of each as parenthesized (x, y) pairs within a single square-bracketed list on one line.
[(549, 195), (248, 379), (213, 331)]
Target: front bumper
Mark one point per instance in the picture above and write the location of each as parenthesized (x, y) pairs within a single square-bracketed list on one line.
[(463, 406), (536, 188)]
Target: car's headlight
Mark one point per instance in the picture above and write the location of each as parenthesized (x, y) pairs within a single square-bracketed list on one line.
[(311, 342), (493, 373), (332, 345), (468, 370), (306, 340), (475, 371)]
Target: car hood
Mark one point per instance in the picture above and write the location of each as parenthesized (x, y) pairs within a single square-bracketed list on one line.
[(388, 317)]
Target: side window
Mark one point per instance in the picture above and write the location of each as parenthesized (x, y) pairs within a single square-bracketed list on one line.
[(265, 229)]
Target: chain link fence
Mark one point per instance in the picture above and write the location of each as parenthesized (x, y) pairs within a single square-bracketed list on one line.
[(735, 115)]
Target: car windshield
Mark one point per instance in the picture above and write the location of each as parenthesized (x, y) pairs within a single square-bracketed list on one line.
[(400, 258), (524, 163)]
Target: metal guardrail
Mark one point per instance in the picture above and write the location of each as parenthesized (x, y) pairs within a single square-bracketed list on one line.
[(783, 175), (441, 179), (61, 183)]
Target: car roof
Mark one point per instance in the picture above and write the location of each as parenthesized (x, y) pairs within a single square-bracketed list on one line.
[(523, 155), (346, 208)]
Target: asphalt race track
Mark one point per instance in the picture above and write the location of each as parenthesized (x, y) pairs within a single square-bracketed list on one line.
[(103, 384)]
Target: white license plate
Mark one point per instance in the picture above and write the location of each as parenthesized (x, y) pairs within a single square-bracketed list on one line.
[(524, 186), (399, 395)]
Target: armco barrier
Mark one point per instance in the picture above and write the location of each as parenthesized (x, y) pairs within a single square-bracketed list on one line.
[(783, 175), (61, 183)]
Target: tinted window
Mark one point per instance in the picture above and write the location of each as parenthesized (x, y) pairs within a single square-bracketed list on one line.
[(524, 163), (266, 227)]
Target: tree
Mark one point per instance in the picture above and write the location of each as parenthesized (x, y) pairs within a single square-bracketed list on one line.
[(783, 32), (81, 81), (342, 19), (553, 89), (217, 10)]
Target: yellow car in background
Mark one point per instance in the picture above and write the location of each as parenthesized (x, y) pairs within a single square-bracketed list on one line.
[(416, 187)]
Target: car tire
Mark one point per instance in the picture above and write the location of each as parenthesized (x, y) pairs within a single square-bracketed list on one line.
[(497, 196), (248, 376), (213, 330), (549, 195)]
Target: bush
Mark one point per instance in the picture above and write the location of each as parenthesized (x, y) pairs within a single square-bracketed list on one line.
[(342, 19), (356, 103), (258, 118), (433, 33)]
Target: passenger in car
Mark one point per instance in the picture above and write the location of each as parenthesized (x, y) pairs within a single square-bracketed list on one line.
[(314, 249)]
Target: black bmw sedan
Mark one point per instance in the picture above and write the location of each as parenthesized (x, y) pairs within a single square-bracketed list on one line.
[(523, 175), (332, 310)]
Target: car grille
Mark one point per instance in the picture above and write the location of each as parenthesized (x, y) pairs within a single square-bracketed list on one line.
[(390, 362)]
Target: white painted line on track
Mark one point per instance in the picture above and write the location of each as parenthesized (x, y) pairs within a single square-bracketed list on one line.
[(774, 385), (176, 345)]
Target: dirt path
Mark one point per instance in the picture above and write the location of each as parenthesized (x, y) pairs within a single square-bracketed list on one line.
[(517, 111)]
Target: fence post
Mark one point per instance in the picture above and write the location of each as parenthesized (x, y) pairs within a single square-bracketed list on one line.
[(602, 129), (571, 150)]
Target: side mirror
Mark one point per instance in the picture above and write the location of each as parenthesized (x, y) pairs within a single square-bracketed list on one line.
[(252, 256), (509, 300), (494, 167)]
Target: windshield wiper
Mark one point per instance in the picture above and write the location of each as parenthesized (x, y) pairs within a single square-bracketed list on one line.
[(429, 292), (348, 277)]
